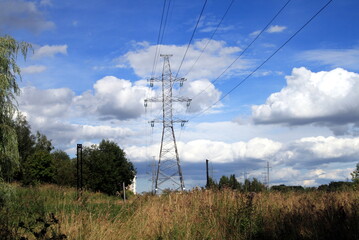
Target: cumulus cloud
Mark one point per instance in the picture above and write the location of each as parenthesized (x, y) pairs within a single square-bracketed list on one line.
[(45, 103), (33, 69), (51, 111), (21, 14), (323, 98), (276, 29), (220, 152), (315, 151), (113, 98), (213, 61), (50, 51), (65, 134), (346, 58), (203, 94)]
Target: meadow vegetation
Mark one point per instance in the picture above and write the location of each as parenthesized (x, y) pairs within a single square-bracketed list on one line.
[(53, 212)]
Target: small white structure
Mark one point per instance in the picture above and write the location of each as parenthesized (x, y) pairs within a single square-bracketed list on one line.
[(132, 187)]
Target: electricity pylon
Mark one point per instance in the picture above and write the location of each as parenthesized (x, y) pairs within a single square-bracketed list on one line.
[(169, 173)]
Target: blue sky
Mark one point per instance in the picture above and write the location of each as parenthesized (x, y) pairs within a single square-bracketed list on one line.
[(87, 81)]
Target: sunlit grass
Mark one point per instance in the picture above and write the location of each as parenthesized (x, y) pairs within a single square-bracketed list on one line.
[(199, 214)]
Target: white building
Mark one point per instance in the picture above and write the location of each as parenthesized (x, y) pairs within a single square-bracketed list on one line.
[(132, 187)]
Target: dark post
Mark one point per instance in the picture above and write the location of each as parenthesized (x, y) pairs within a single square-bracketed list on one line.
[(207, 185), (79, 170)]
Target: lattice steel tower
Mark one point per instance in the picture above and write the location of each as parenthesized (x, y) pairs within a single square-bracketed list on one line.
[(169, 173)]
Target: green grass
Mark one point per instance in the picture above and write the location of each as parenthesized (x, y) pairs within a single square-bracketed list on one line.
[(192, 215)]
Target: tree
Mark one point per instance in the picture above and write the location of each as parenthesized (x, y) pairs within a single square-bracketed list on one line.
[(38, 168), (26, 142), (212, 184), (223, 182), (233, 182), (42, 143), (355, 174), (9, 73), (106, 168), (257, 186), (65, 169)]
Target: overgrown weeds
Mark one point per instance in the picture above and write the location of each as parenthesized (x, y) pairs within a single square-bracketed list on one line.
[(201, 214)]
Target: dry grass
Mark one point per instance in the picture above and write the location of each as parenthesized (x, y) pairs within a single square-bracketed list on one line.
[(206, 215)]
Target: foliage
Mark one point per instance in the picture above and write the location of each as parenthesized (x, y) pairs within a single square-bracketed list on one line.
[(65, 169), (212, 184), (106, 168), (284, 188), (23, 215), (233, 182), (223, 182), (39, 168), (42, 143), (26, 142), (9, 72), (196, 214), (248, 186)]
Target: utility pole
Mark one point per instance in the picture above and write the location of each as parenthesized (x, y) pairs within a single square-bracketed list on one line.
[(79, 170), (207, 173), (169, 167), (268, 174)]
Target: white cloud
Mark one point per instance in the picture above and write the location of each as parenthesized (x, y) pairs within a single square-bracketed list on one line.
[(203, 94), (46, 3), (45, 103), (33, 69), (114, 98), (214, 60), (218, 152), (50, 51), (323, 97), (315, 151), (65, 134), (21, 14), (276, 29), (345, 58), (255, 33)]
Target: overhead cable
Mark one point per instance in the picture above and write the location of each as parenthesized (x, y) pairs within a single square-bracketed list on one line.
[(210, 39), (249, 45), (189, 43), (265, 61)]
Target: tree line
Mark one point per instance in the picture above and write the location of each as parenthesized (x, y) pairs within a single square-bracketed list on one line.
[(254, 185)]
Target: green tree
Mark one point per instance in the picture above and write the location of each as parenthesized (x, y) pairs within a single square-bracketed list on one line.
[(257, 186), (233, 182), (106, 168), (42, 143), (223, 182), (9, 73), (65, 169), (26, 142), (355, 174), (38, 168), (212, 184)]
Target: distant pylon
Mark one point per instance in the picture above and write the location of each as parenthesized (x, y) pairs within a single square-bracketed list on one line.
[(169, 173)]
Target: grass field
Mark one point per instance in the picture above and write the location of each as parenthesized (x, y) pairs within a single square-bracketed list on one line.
[(52, 212)]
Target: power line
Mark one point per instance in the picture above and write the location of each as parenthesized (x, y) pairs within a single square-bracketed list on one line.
[(158, 37), (249, 45), (161, 33), (265, 61), (189, 43), (214, 32)]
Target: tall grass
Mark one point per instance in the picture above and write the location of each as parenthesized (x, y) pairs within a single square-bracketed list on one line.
[(196, 215)]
